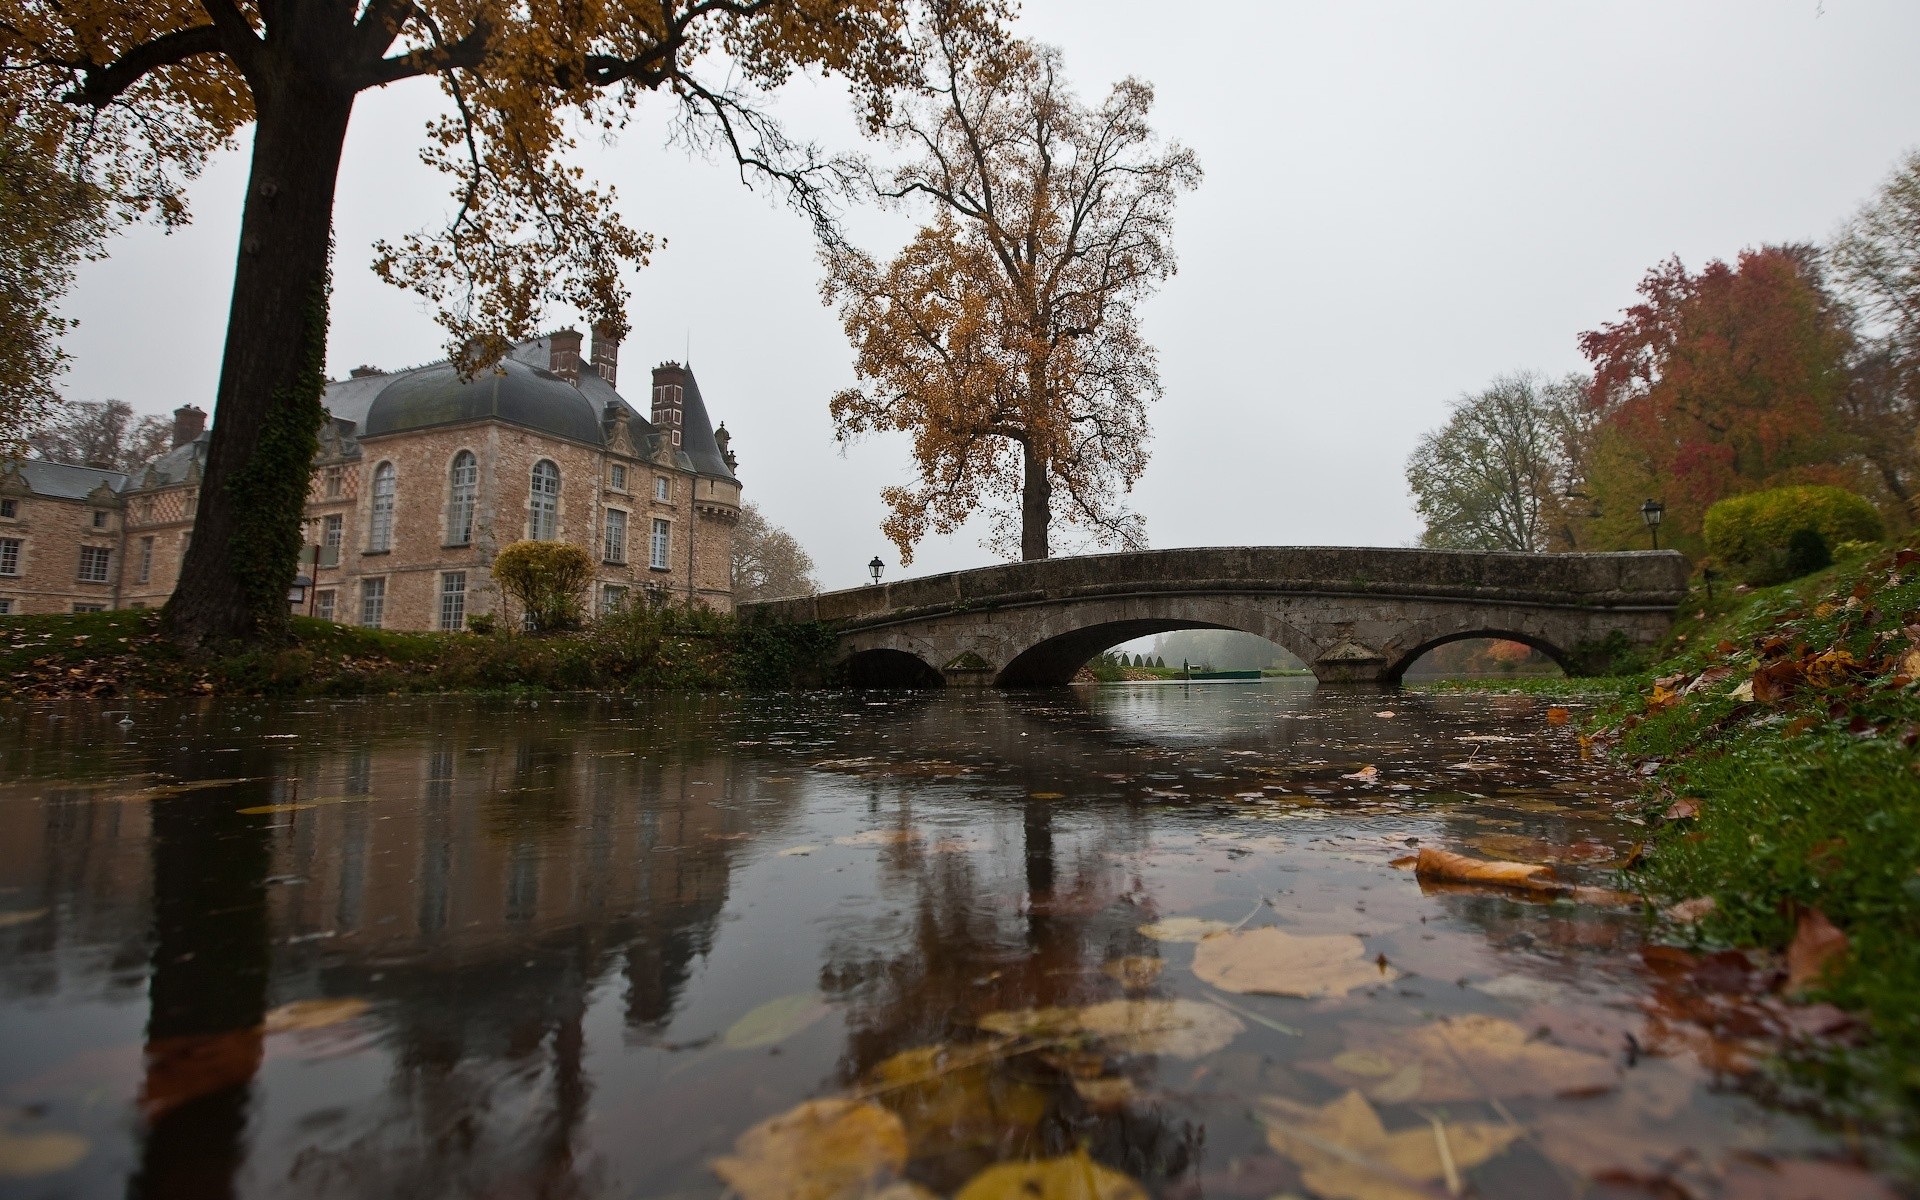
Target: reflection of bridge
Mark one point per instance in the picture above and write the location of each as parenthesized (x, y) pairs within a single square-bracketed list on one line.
[(1353, 615)]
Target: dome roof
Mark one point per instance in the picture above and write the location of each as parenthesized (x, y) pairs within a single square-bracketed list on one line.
[(516, 393)]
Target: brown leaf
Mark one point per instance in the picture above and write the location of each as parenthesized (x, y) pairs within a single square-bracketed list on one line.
[(185, 1068), (1134, 972), (1688, 912), (1461, 1058), (819, 1150), (1817, 947), (1558, 716), (1458, 868), (1774, 683), (1685, 808), (1802, 1179), (1346, 1152), (1274, 962)]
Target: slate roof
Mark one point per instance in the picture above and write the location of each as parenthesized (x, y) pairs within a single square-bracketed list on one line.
[(63, 481)]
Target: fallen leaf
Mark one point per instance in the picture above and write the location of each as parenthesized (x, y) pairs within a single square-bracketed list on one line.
[(1802, 1179), (263, 809), (1685, 808), (1662, 698), (26, 1155), (775, 1021), (1177, 1028), (1277, 963), (950, 1098), (1386, 714), (1774, 683), (1831, 669), (1047, 795), (1558, 716), (796, 851), (1183, 929), (1074, 1177), (1134, 972), (1105, 1093), (879, 837), (1366, 774), (1689, 912), (1742, 693), (1469, 1057), (819, 1150), (313, 1014), (1816, 947), (9, 919), (185, 1068), (1458, 868), (1345, 1152)]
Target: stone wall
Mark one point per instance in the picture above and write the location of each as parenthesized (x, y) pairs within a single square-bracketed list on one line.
[(51, 532)]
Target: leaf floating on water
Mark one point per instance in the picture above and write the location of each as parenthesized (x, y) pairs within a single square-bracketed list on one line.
[(1183, 929), (951, 1098), (820, 1150), (1386, 714), (1558, 716), (1366, 774), (1047, 795), (187, 1067), (878, 837), (1105, 1093), (9, 919), (1345, 1152), (796, 851), (1462, 1058), (260, 810), (1177, 1028), (27, 1155), (1458, 868), (1818, 945), (1075, 1177), (1276, 963), (1135, 972), (314, 1014), (774, 1021)]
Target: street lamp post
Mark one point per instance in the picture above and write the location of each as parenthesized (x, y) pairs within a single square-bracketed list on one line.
[(1651, 512), (874, 568)]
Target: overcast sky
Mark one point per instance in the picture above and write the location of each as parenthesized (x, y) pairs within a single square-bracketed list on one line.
[(1402, 200)]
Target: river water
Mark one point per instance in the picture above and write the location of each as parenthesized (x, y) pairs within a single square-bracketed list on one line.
[(589, 947)]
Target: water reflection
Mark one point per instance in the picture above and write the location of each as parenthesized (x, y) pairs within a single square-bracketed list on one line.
[(536, 934)]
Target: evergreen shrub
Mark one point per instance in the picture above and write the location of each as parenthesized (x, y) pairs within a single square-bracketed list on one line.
[(1752, 535)]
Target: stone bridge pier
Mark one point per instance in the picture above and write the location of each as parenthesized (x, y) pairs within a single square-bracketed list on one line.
[(1354, 615)]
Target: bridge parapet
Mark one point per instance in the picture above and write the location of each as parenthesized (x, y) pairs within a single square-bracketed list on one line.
[(1353, 613)]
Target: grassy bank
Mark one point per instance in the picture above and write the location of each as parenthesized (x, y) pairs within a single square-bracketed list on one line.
[(1788, 718), (122, 654)]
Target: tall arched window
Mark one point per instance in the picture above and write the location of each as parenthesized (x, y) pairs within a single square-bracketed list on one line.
[(543, 506), (380, 528), (463, 483)]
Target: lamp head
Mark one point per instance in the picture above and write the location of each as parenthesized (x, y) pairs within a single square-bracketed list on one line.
[(1651, 511), (875, 567)]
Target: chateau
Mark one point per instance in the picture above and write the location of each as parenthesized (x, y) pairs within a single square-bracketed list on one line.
[(420, 479)]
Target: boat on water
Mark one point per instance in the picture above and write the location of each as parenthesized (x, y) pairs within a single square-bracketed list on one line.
[(1201, 675)]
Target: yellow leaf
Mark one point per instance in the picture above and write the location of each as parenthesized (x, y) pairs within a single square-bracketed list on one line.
[(259, 810), (313, 1014), (775, 1021), (9, 919), (25, 1155), (1048, 795), (1183, 929), (1458, 868), (1462, 1058), (1345, 1153), (1075, 1177), (1277, 963), (950, 1098), (819, 1150), (1134, 972), (1179, 1028)]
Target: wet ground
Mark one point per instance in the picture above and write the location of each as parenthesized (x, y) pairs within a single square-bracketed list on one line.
[(853, 945)]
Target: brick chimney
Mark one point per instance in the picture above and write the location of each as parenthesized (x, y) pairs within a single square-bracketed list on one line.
[(606, 355), (670, 381), (362, 372), (188, 423), (563, 354)]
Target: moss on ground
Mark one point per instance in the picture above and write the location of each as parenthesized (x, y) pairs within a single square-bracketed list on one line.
[(122, 653)]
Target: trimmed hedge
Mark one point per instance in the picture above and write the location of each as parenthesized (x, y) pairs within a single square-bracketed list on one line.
[(1751, 535)]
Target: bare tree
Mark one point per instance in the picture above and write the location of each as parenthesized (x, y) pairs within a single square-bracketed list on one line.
[(1499, 474), (101, 433), (1875, 264), (768, 562), (1004, 338)]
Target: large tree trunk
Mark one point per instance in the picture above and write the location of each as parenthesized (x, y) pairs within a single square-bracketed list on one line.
[(267, 413), (1036, 506)]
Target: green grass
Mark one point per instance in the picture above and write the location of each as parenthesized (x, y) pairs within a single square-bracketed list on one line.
[(1810, 799), (123, 654)]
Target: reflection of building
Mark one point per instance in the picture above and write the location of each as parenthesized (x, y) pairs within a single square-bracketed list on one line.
[(420, 479)]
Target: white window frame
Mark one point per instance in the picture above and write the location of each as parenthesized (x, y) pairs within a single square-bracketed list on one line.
[(12, 550), (146, 559), (325, 603), (463, 495), (543, 501), (97, 554), (386, 485), (660, 545), (373, 603), (617, 477), (453, 601), (613, 548), (662, 489)]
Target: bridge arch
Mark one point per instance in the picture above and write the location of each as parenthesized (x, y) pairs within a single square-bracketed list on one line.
[(888, 667), (1069, 635), (1397, 669)]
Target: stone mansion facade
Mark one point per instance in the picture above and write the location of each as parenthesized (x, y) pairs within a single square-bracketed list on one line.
[(420, 478)]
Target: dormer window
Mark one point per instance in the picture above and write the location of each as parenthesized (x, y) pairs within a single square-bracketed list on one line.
[(9, 509), (662, 489), (617, 476), (99, 519)]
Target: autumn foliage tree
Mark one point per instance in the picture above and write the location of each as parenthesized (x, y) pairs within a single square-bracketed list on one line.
[(1716, 383), (1004, 337), (138, 93)]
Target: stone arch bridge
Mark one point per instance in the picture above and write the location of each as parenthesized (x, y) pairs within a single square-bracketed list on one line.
[(1354, 615)]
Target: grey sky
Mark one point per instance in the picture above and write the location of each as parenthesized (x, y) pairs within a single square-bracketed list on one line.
[(1402, 201)]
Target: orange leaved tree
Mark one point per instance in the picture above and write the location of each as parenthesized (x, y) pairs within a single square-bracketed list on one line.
[(1003, 338), (152, 87)]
